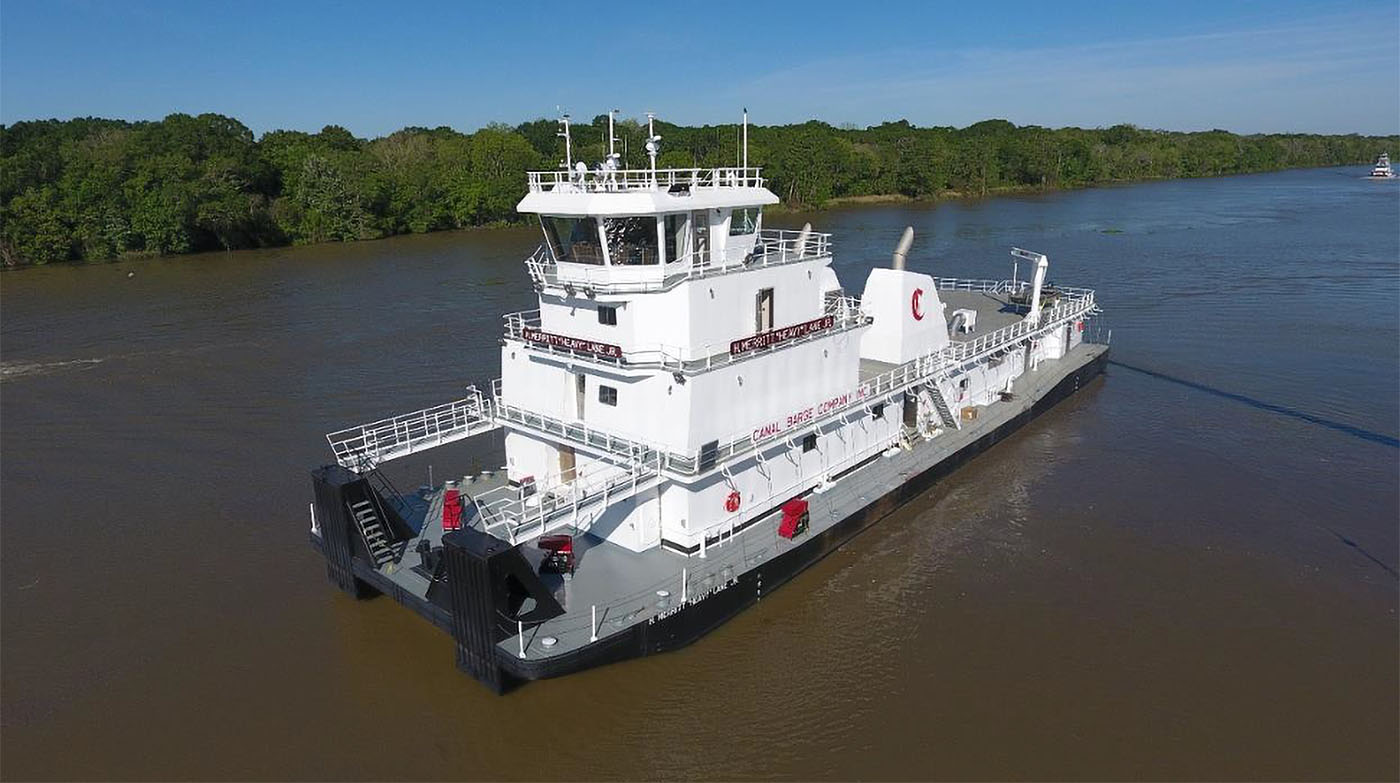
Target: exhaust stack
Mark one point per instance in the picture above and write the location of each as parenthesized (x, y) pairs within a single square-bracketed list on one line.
[(902, 249), (1040, 266)]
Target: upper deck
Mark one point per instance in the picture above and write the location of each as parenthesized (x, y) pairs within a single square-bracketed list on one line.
[(606, 191)]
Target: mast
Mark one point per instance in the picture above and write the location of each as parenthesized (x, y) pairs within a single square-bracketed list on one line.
[(612, 137), (746, 138), (568, 143), (652, 145)]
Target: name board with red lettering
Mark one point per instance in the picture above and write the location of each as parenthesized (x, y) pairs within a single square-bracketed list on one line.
[(571, 343), (807, 415), (776, 336)]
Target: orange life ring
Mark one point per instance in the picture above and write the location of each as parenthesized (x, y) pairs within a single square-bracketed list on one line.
[(731, 503)]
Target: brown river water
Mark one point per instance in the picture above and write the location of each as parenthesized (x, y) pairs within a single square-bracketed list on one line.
[(1186, 571)]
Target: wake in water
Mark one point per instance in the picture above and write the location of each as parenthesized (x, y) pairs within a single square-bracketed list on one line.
[(12, 370)]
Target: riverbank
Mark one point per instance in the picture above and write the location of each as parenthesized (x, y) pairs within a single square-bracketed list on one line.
[(9, 263), (96, 189)]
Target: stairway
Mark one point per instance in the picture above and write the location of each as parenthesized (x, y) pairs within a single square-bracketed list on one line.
[(373, 532), (931, 393)]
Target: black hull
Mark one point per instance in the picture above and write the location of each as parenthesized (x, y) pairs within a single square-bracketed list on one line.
[(693, 620)]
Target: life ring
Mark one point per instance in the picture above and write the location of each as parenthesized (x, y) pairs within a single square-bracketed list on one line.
[(731, 503)]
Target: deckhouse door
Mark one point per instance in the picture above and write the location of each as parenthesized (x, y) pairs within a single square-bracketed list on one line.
[(763, 311), (566, 463), (580, 394)]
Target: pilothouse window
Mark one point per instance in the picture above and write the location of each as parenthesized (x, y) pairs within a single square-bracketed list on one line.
[(743, 221), (631, 240), (573, 239), (675, 236)]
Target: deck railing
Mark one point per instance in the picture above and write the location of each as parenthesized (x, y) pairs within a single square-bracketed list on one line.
[(389, 438), (844, 311), (523, 513), (600, 180), (774, 247), (361, 448)]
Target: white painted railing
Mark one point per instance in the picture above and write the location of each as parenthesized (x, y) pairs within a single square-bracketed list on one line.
[(363, 447), (845, 312), (601, 180), (774, 247), (369, 444), (519, 513)]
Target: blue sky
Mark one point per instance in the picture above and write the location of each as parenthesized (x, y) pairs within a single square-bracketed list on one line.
[(1287, 65)]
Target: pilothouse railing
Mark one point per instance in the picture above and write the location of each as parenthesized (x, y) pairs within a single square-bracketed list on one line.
[(773, 247), (603, 180)]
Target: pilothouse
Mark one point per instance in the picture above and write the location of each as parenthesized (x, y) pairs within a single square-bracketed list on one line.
[(696, 411)]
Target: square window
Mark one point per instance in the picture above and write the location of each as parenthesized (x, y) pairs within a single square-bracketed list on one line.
[(607, 395), (607, 315), (709, 454), (809, 443), (877, 411)]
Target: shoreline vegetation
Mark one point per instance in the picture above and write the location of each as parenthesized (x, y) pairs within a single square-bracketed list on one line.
[(91, 189)]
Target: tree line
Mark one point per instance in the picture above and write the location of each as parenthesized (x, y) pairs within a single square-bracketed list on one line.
[(92, 189)]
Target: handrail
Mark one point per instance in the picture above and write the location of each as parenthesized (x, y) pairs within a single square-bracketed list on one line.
[(845, 312), (1075, 303), (602, 180), (774, 247), (364, 446), (361, 448)]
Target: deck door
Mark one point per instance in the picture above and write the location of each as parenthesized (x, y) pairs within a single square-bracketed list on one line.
[(566, 463), (763, 311), (580, 394)]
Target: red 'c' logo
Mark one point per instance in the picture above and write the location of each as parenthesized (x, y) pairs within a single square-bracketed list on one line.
[(917, 305)]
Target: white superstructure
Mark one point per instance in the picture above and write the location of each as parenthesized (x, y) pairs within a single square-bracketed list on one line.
[(689, 369)]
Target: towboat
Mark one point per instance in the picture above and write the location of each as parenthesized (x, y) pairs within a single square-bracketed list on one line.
[(697, 410)]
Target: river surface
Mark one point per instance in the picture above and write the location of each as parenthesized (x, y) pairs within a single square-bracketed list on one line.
[(1187, 570)]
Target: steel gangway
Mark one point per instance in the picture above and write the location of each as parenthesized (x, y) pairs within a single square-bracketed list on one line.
[(364, 447)]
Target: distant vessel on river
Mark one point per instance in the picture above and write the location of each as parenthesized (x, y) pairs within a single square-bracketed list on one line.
[(697, 411), (1382, 168)]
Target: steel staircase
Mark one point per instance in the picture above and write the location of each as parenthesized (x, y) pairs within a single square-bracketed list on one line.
[(372, 530), (934, 397)]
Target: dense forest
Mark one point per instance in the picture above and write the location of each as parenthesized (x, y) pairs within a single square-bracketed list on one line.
[(92, 189)]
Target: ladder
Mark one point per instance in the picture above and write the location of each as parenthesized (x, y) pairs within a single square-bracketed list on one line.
[(931, 394), (373, 532)]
